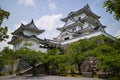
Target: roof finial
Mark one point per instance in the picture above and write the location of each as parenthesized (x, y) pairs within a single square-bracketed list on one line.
[(88, 6), (32, 21), (22, 24)]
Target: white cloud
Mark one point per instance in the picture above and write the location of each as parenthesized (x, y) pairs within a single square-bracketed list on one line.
[(49, 23), (27, 2), (16, 26), (52, 6), (97, 0)]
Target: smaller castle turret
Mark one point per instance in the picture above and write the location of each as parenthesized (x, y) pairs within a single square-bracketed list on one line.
[(27, 34)]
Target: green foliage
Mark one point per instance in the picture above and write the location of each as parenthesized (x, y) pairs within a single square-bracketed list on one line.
[(108, 54), (101, 40), (109, 59), (116, 44), (77, 49), (103, 49), (113, 6), (3, 30), (77, 52), (80, 46), (53, 58), (106, 50), (3, 33), (7, 56), (3, 14), (30, 57)]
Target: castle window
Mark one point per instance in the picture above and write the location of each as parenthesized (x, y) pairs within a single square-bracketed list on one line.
[(66, 38), (73, 29), (79, 18)]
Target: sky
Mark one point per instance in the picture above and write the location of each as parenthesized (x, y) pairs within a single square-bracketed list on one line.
[(47, 15)]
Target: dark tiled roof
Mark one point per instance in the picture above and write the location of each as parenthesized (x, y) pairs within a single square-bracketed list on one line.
[(22, 36), (69, 26), (84, 9), (30, 26), (86, 18)]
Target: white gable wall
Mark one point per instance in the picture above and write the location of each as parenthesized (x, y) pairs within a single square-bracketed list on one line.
[(17, 46), (87, 36), (80, 15), (92, 26), (35, 45), (64, 35), (69, 22), (85, 25), (73, 29), (29, 33)]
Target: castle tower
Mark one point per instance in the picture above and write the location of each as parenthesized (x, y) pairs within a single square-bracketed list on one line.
[(27, 34), (80, 24)]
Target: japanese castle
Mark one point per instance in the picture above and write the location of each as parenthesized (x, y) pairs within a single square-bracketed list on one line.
[(78, 25), (81, 24)]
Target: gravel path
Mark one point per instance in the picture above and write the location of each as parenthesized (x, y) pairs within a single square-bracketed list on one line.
[(44, 78)]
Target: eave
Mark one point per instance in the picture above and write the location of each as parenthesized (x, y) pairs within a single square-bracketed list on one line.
[(89, 28), (85, 9), (17, 40), (24, 37), (30, 26), (69, 26), (89, 20)]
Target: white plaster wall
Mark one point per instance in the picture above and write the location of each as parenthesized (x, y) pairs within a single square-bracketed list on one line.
[(78, 28), (80, 15), (75, 27), (70, 37), (29, 33), (92, 26), (17, 46), (69, 22), (35, 45), (85, 25), (76, 18), (71, 29), (87, 36), (63, 35)]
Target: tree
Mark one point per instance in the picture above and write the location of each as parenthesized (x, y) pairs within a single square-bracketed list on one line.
[(7, 56), (52, 60), (3, 30), (31, 57), (107, 53), (109, 57), (113, 6), (76, 51), (88, 49)]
